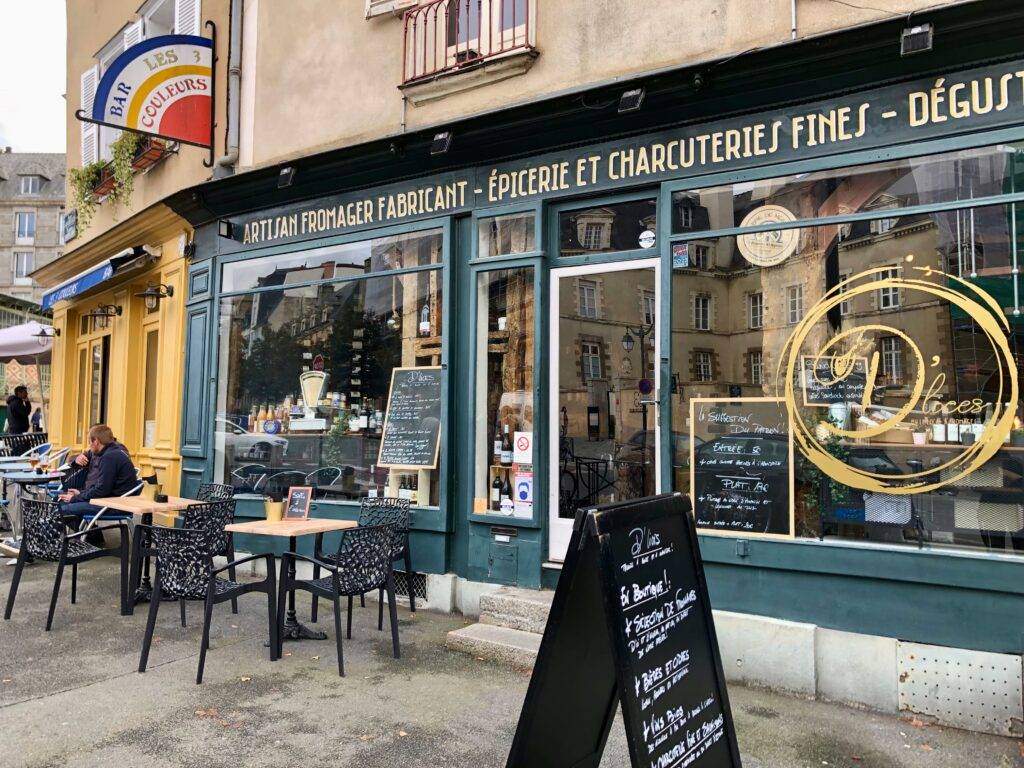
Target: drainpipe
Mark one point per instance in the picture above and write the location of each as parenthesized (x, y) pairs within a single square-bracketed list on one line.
[(225, 165), (792, 16)]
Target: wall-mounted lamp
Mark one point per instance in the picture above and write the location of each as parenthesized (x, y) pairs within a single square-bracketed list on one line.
[(285, 177), (917, 39), (43, 336), (154, 293), (631, 100), (224, 228), (442, 143), (105, 310)]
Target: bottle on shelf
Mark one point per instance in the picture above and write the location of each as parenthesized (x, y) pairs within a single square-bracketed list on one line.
[(353, 419), (952, 430), (496, 493), (497, 444), (371, 492), (425, 318), (403, 488), (251, 424), (371, 425), (364, 417), (506, 496), (506, 446), (414, 489), (261, 417), (379, 429)]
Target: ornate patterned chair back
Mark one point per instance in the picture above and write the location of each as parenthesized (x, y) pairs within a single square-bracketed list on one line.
[(365, 554), (44, 528), (387, 511), (210, 518), (214, 492), (183, 559)]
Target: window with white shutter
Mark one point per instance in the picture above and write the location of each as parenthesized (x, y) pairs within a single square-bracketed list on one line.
[(133, 34), (89, 130), (187, 17)]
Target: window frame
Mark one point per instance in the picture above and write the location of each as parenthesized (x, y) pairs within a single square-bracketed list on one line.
[(756, 369), (582, 286), (595, 355), (33, 188), (24, 278), (751, 325), (699, 356), (794, 292), (700, 317), (28, 239)]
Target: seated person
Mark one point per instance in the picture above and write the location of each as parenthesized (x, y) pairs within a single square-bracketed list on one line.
[(108, 471)]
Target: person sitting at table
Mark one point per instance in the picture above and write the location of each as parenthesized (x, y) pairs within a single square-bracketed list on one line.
[(105, 469)]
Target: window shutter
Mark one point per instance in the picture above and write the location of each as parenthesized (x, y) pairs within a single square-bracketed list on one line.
[(89, 130), (133, 34), (187, 17)]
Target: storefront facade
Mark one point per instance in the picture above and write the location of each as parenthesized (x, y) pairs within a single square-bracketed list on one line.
[(807, 318)]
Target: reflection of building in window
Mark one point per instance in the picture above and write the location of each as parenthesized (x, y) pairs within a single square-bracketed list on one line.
[(22, 264), (590, 360), (702, 312), (755, 310), (756, 367), (888, 296), (892, 359), (587, 298), (701, 256), (649, 313), (592, 236), (702, 365), (794, 303), (881, 226), (883, 203), (844, 305)]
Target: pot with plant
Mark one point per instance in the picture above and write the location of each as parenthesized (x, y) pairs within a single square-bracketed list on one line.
[(273, 504)]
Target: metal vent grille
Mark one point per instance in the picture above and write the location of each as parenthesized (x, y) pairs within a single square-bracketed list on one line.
[(974, 690), (419, 585)]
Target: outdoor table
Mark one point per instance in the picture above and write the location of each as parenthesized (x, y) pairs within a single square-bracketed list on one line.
[(146, 509), (292, 529), (19, 466)]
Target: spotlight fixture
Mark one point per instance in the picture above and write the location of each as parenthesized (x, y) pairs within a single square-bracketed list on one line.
[(154, 293), (631, 100), (105, 310), (917, 39), (224, 228), (43, 336), (285, 177), (442, 143)]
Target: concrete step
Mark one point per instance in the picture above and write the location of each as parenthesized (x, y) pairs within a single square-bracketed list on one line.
[(502, 644), (523, 609)]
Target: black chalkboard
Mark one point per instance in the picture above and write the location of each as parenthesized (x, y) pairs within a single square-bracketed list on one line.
[(822, 385), (297, 504), (630, 624), (412, 424), (741, 466)]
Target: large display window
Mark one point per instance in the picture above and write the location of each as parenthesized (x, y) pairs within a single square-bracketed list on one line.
[(306, 361), (860, 375)]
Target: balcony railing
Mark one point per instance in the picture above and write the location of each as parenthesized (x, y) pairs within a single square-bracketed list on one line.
[(450, 35)]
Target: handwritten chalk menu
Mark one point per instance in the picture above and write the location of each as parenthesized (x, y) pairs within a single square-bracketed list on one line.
[(630, 625), (298, 501), (822, 384), (741, 466), (412, 425)]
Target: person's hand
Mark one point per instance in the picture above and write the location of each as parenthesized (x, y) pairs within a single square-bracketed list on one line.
[(69, 494), (81, 459)]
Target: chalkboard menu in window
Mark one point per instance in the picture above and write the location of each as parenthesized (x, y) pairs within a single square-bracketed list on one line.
[(741, 466), (412, 424), (630, 624), (825, 380)]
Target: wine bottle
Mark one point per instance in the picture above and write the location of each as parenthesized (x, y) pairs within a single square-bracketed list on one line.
[(403, 488), (414, 489), (425, 318), (364, 418), (372, 490), (497, 444), (380, 422), (496, 493), (506, 496), (506, 447)]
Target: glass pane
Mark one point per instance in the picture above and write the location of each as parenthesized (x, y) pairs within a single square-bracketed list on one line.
[(963, 175), (267, 436), (861, 339), (505, 235), (606, 228), (149, 406), (504, 393), (83, 374), (381, 254), (96, 385), (606, 359)]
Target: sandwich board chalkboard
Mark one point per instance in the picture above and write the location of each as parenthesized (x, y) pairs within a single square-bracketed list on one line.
[(630, 624), (411, 436)]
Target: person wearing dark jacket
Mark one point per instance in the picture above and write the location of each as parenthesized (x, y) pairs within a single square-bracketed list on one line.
[(18, 411), (106, 470)]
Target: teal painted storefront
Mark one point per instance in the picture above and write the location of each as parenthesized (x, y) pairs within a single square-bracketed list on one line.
[(949, 597)]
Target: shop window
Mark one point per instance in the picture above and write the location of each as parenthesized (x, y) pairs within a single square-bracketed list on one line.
[(504, 393), (268, 432), (590, 360), (507, 235), (29, 185), (888, 296), (702, 312), (149, 405), (755, 310), (83, 373), (702, 367), (587, 298), (755, 364), (601, 229), (24, 227), (381, 254), (794, 304)]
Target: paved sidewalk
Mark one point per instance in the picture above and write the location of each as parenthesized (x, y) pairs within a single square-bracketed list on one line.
[(72, 698)]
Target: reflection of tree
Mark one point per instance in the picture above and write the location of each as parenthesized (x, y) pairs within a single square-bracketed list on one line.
[(270, 371)]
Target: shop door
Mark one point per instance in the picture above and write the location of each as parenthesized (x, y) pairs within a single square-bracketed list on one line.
[(603, 402)]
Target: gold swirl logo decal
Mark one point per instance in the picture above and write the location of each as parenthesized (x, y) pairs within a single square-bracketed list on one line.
[(850, 363)]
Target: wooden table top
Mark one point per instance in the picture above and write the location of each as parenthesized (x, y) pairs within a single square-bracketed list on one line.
[(140, 506), (290, 528)]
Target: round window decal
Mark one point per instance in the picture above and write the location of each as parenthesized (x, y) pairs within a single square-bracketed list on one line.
[(766, 249)]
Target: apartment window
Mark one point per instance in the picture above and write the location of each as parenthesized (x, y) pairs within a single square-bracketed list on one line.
[(588, 298), (892, 359), (590, 360), (592, 236), (701, 257), (755, 361), (702, 312), (25, 225), (702, 365), (844, 305), (755, 310), (649, 311), (30, 185), (22, 264), (794, 303), (889, 296), (881, 226)]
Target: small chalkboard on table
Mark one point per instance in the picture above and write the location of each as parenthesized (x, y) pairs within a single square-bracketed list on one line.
[(411, 437), (297, 504), (630, 624)]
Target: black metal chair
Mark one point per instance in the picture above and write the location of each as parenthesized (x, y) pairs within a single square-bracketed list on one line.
[(361, 564), (214, 492), (184, 571), (46, 537), (380, 511)]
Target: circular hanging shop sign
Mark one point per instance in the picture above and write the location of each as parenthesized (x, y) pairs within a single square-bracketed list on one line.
[(647, 239), (766, 249)]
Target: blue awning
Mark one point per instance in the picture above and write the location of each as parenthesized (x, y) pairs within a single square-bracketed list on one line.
[(91, 277)]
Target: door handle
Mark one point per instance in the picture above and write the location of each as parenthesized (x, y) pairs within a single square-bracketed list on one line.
[(648, 402)]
